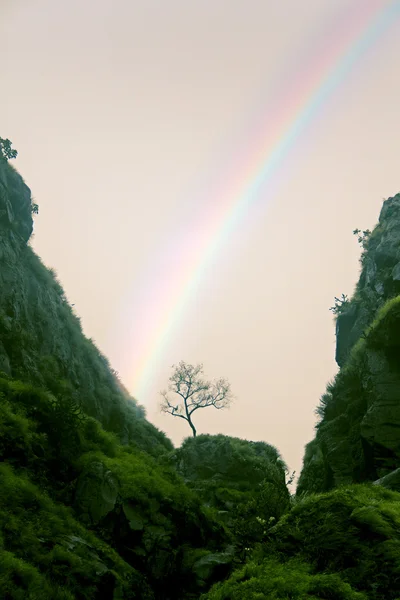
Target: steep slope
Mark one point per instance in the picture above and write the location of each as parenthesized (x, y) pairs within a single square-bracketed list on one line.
[(357, 438), (41, 340), (84, 512), (379, 279)]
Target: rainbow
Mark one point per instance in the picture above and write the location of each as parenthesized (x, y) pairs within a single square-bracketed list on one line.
[(254, 174)]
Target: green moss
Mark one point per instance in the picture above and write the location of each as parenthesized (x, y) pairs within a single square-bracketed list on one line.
[(43, 342), (243, 481), (43, 541), (344, 544), (344, 456), (154, 520), (348, 531), (273, 580), (21, 581)]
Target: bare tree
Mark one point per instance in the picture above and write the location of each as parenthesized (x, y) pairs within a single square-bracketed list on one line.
[(194, 392)]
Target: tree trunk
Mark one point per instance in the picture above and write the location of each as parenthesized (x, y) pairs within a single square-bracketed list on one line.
[(192, 427)]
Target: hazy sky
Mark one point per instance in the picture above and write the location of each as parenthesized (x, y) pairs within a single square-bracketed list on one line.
[(127, 115)]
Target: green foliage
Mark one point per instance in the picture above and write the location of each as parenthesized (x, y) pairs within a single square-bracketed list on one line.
[(42, 544), (340, 305), (244, 481), (340, 453), (383, 334), (155, 522), (344, 544), (45, 346), (316, 475), (353, 531), (6, 152), (362, 237), (21, 581), (274, 580), (226, 458)]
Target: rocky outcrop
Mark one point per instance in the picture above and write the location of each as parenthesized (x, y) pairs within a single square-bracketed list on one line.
[(358, 436), (15, 203), (245, 482), (390, 481), (379, 279)]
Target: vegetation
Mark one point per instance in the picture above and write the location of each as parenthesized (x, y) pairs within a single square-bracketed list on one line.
[(342, 545), (359, 415), (6, 151), (244, 481), (194, 392), (95, 502), (340, 304), (362, 237), (42, 343), (61, 468)]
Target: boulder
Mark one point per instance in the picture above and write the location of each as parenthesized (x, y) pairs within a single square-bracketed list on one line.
[(390, 481), (213, 566)]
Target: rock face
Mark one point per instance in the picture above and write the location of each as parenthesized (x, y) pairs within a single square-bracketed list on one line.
[(391, 481), (15, 203), (379, 279), (41, 339), (358, 436)]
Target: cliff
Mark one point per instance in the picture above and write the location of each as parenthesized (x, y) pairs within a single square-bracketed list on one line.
[(41, 340), (357, 438), (379, 279)]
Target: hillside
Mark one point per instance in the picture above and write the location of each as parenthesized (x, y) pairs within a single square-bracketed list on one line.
[(41, 340)]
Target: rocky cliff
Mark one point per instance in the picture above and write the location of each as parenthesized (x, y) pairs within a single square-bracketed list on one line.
[(379, 279), (41, 340), (358, 436)]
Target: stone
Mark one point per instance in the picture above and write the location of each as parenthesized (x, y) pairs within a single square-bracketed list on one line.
[(345, 332), (205, 567), (390, 481), (396, 272), (5, 366), (369, 270), (15, 202)]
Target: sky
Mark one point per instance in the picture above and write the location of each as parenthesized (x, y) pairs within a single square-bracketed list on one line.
[(135, 121)]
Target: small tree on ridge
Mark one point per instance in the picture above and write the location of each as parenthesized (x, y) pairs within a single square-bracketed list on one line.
[(6, 152), (194, 392)]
